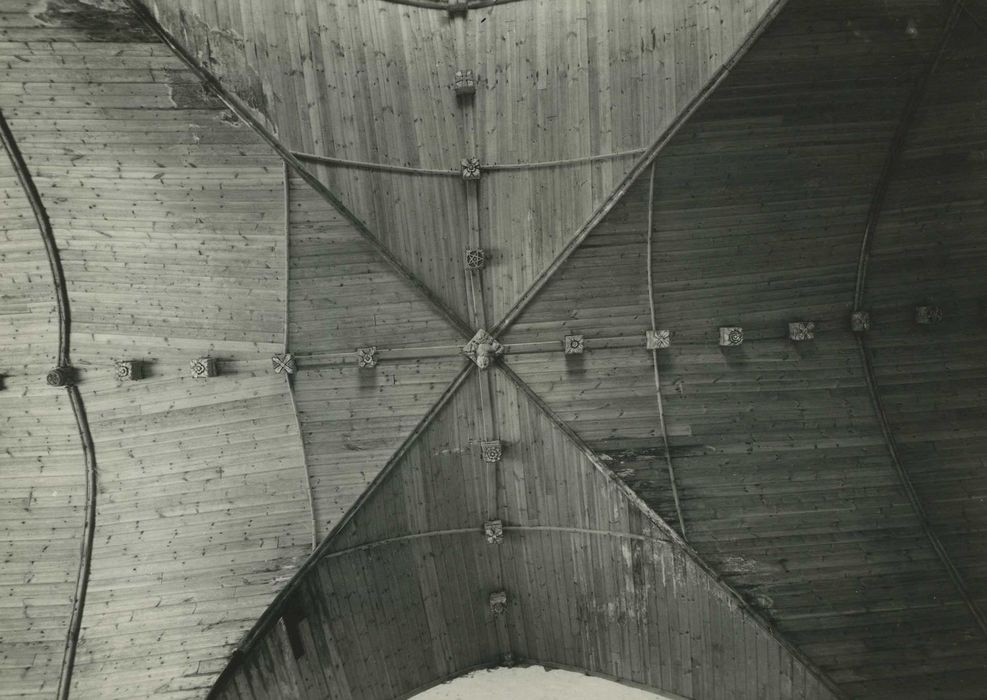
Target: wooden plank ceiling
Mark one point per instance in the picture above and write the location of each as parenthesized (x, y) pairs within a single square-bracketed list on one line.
[(929, 248), (759, 206), (834, 484), (370, 82), (591, 582), (342, 297), (43, 493), (168, 216)]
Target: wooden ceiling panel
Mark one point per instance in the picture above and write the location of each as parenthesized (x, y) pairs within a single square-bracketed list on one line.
[(202, 515), (366, 82), (623, 601), (758, 208), (180, 236), (563, 82), (342, 295), (168, 214), (353, 420), (373, 84), (421, 220), (928, 249), (441, 482), (170, 225), (397, 599), (41, 460)]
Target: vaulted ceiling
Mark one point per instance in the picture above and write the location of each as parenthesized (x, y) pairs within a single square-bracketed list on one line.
[(236, 179)]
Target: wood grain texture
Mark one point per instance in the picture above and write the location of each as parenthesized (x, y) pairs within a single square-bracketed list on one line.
[(43, 500), (369, 634), (575, 79), (364, 81), (343, 297), (168, 213), (170, 216), (371, 82), (786, 484), (928, 249), (353, 420)]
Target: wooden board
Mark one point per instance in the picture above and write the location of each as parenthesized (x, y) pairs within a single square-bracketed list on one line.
[(555, 82), (43, 496), (343, 297), (591, 582), (929, 249), (168, 214), (567, 80), (785, 480)]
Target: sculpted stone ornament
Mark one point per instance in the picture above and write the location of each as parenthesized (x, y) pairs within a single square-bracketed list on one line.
[(574, 344), (731, 336), (491, 450), (928, 315), (860, 321), (493, 530), (284, 363), (498, 602), (61, 376), (129, 370), (367, 357), (471, 168), (658, 340), (203, 367), (464, 84), (482, 349), (802, 330), (476, 258)]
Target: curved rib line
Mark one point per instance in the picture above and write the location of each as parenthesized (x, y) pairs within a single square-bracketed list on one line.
[(214, 86), (870, 377), (654, 353), (894, 151), (284, 348), (639, 167), (75, 398), (485, 167)]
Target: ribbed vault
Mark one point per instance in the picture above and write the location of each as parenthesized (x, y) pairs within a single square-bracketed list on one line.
[(777, 519), (400, 596)]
